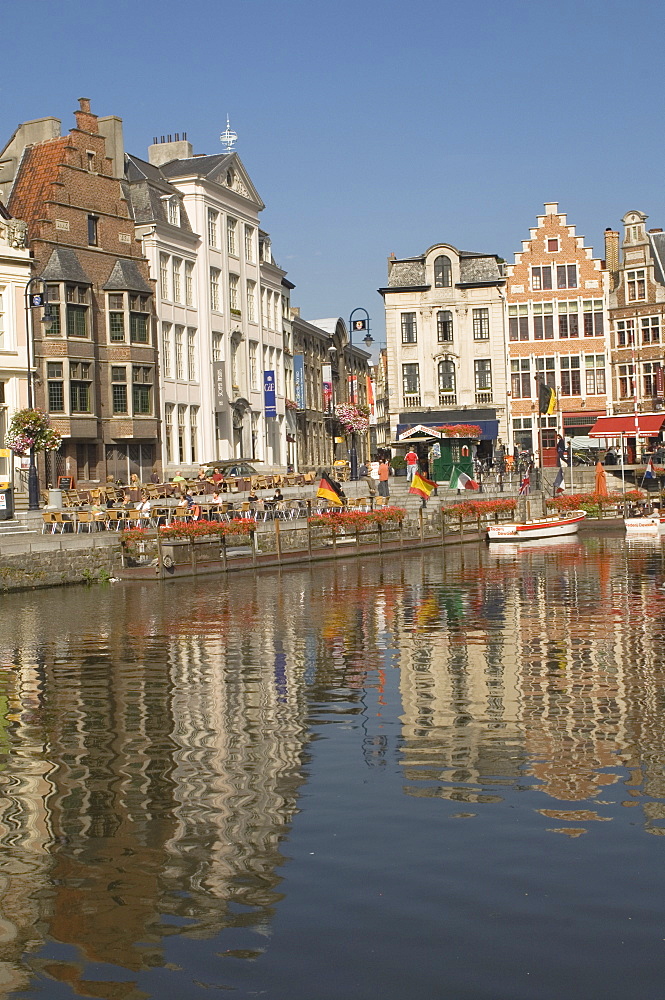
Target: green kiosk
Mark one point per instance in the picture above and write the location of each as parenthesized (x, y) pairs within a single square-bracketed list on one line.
[(446, 448)]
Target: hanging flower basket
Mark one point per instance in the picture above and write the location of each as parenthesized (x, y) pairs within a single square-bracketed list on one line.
[(353, 417), (30, 428)]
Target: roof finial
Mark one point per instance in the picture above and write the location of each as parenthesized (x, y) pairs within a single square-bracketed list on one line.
[(228, 138)]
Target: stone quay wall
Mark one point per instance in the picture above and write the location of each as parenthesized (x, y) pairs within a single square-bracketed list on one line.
[(57, 565)]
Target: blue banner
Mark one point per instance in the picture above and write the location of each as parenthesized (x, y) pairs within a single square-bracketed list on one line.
[(299, 381), (269, 401)]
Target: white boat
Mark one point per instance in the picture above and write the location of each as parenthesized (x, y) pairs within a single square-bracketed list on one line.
[(651, 523), (534, 546), (544, 527)]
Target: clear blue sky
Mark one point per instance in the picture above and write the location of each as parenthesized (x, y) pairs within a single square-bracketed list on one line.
[(371, 126)]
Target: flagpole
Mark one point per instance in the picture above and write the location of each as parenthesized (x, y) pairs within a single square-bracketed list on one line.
[(623, 470)]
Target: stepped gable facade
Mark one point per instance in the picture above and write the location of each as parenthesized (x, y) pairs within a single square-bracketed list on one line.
[(96, 355), (637, 315), (557, 324)]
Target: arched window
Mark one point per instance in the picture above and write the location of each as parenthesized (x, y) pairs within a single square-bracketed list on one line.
[(446, 376), (443, 277), (444, 326)]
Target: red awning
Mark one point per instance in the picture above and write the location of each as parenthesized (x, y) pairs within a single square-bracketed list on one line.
[(648, 425)]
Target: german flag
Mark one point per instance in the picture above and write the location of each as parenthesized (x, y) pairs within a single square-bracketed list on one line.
[(423, 487), (331, 491), (546, 398)]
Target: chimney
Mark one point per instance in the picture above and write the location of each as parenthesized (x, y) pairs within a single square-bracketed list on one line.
[(551, 208), (612, 250), (85, 120), (167, 150), (111, 128)]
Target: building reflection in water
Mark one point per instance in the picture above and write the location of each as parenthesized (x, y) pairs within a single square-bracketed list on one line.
[(155, 739), (523, 666)]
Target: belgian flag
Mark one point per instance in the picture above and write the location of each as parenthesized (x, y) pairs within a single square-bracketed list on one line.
[(330, 490), (546, 398)]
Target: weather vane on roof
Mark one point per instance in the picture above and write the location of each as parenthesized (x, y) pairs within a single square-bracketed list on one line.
[(228, 138)]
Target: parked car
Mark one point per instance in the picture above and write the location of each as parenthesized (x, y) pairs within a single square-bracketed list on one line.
[(234, 468)]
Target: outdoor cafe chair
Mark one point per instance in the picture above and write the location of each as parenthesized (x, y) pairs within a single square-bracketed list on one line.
[(87, 519), (48, 522), (62, 521), (115, 520)]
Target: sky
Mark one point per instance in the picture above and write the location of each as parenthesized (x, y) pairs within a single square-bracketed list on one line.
[(370, 127)]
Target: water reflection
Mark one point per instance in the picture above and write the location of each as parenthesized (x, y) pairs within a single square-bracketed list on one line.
[(156, 741)]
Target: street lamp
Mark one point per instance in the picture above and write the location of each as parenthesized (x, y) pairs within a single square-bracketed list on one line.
[(360, 326), (33, 300)]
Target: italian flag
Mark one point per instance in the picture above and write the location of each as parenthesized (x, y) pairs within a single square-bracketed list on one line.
[(460, 481)]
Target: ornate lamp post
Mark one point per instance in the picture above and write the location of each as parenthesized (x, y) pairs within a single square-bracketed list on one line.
[(33, 300)]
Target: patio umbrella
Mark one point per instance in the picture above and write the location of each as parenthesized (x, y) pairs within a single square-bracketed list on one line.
[(601, 480)]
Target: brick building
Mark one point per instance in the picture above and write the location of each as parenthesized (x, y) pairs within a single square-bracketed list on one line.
[(557, 323), (96, 362), (637, 323)]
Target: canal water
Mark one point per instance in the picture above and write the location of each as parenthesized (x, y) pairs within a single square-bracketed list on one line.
[(436, 776)]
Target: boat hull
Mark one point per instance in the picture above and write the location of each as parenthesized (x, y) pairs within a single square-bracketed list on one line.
[(652, 524), (545, 527)]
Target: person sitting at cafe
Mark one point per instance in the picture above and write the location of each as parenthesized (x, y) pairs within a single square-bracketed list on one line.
[(217, 477), (128, 503), (145, 506), (215, 498), (252, 496), (277, 496), (178, 478)]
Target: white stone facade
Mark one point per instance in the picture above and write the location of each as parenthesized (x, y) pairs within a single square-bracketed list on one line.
[(445, 338), (219, 303), (15, 272)]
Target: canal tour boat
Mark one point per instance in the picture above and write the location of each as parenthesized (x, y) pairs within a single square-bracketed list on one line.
[(651, 523), (565, 523)]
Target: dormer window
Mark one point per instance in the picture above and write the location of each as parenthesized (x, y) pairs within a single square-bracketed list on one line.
[(173, 211), (443, 277)]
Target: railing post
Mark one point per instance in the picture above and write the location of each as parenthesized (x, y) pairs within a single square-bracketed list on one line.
[(421, 526), (225, 563), (380, 537), (160, 564), (309, 533), (278, 540)]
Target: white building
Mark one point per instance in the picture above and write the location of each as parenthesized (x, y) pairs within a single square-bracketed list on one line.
[(446, 342), (219, 302), (15, 272)]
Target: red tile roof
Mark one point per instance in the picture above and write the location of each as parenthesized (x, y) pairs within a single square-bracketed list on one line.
[(39, 168)]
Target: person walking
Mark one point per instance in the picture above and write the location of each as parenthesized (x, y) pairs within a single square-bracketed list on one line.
[(373, 479), (411, 459), (384, 478), (363, 474)]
